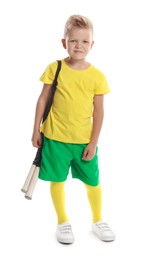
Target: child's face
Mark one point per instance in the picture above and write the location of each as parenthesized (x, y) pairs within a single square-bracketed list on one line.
[(78, 43)]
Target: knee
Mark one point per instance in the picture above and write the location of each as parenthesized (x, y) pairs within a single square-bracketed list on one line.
[(56, 184), (92, 188)]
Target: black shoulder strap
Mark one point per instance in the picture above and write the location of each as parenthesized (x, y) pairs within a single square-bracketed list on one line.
[(53, 91), (37, 160), (56, 74)]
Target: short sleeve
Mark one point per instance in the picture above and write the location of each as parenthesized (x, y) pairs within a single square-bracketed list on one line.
[(101, 86), (49, 73)]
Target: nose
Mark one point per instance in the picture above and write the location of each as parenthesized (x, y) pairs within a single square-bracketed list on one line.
[(78, 44)]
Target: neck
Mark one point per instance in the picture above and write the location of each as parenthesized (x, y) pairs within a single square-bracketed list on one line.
[(77, 64)]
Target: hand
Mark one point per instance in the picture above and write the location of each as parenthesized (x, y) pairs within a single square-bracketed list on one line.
[(89, 152), (37, 139)]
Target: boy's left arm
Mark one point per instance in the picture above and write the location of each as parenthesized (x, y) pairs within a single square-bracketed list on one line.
[(98, 115)]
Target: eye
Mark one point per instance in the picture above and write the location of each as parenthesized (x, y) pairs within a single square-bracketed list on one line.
[(72, 40), (86, 42)]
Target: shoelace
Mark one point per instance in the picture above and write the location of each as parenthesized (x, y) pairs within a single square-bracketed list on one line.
[(103, 226), (65, 229)]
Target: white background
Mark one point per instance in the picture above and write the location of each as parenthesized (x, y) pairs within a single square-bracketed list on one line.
[(31, 33)]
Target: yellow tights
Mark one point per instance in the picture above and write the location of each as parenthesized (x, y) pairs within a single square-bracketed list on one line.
[(58, 198), (94, 195)]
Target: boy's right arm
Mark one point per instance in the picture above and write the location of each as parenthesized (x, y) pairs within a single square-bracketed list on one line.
[(40, 109)]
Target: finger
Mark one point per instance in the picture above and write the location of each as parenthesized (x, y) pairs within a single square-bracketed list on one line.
[(85, 154), (36, 145), (88, 156), (39, 143)]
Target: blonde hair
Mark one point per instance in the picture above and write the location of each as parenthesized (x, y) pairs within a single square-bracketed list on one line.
[(77, 21)]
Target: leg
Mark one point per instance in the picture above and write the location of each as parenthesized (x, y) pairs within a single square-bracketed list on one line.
[(99, 227), (94, 194), (58, 198), (64, 232)]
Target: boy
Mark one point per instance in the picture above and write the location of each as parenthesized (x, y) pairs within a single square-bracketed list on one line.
[(73, 126)]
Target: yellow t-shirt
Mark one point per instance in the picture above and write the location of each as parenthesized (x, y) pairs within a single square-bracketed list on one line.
[(70, 117)]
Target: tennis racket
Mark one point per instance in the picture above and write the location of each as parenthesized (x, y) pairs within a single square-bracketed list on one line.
[(32, 177)]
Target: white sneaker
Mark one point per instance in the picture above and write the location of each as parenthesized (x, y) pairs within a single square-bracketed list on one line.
[(64, 233), (103, 231)]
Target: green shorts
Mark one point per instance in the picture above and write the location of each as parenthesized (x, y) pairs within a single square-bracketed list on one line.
[(58, 158)]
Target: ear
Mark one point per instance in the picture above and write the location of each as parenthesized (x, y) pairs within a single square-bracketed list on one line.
[(92, 44), (64, 43)]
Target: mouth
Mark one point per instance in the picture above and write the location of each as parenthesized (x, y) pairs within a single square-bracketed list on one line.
[(78, 51)]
